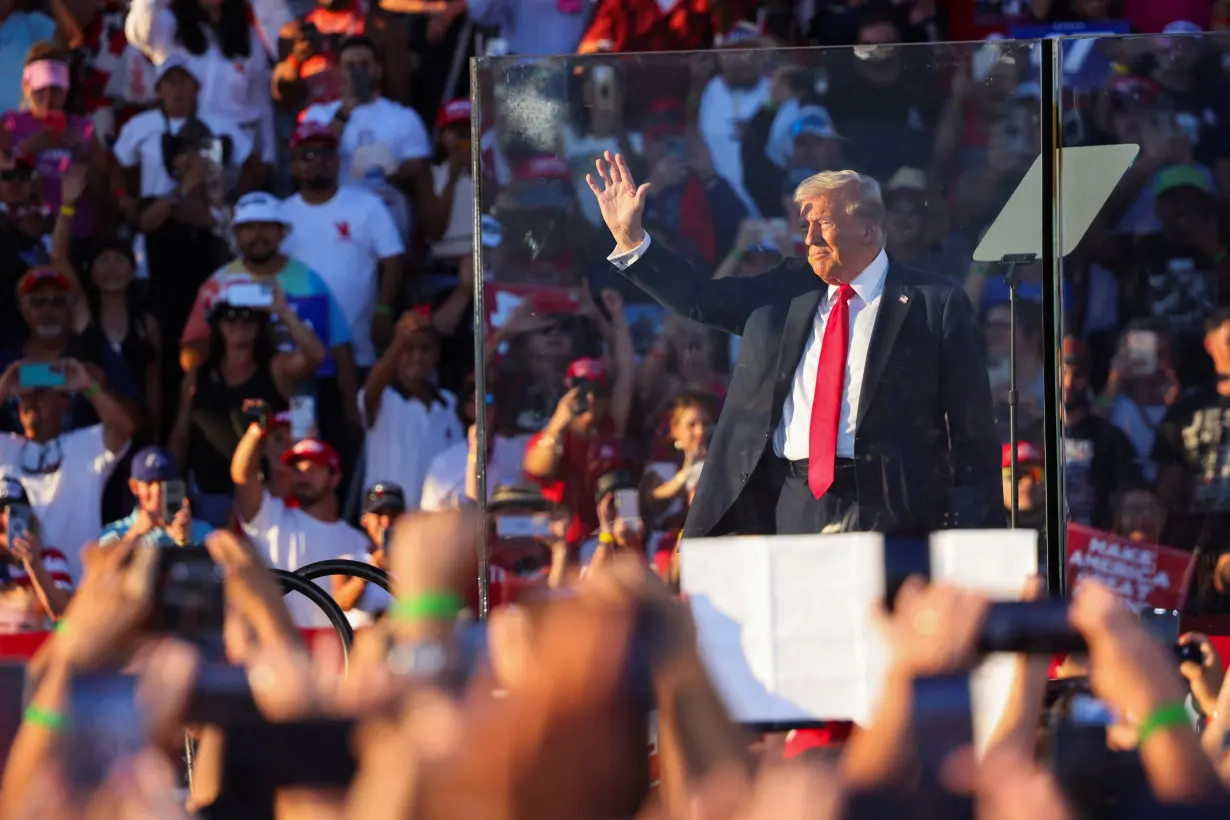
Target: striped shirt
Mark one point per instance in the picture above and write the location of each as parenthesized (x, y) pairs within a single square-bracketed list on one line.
[(20, 609)]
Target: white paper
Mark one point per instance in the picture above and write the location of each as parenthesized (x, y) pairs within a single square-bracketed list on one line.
[(786, 628)]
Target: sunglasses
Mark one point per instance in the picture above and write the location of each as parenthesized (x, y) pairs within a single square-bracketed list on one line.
[(238, 314), (315, 154), (40, 302)]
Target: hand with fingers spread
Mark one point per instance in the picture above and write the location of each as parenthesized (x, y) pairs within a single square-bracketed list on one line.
[(620, 199)]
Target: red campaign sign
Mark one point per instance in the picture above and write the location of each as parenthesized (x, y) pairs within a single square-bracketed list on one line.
[(1139, 573)]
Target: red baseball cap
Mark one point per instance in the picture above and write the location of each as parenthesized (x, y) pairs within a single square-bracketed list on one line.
[(312, 131), (542, 167), (315, 451), (586, 370), (42, 275), (1026, 453), (453, 112), (832, 734)]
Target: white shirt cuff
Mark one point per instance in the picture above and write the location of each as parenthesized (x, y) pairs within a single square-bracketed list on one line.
[(624, 260)]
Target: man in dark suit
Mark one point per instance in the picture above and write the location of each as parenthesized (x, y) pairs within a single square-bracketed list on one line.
[(860, 400)]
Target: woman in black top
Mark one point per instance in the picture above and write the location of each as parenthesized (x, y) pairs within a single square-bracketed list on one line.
[(243, 363)]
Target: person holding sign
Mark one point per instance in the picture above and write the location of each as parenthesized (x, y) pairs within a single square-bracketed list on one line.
[(860, 398)]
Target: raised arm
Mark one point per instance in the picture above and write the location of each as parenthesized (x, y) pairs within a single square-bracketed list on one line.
[(672, 282)]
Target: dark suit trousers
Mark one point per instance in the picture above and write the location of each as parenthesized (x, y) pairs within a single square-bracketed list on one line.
[(797, 511)]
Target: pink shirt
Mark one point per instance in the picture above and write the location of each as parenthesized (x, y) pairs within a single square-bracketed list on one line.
[(51, 164)]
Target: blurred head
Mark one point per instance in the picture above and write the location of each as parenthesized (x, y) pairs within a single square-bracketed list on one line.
[(1091, 9), (382, 504), (18, 186), (1074, 380), (816, 141), (694, 349), (1031, 493), (1177, 53), (1184, 200), (905, 200), (259, 227), (1144, 357), (314, 158), (315, 471), (691, 419), (419, 357), (45, 79), (113, 267), (1217, 339), (239, 328), (741, 65), (842, 218), (356, 57), (1140, 515), (41, 413), (45, 302), (177, 88), (664, 130), (876, 56), (998, 328), (550, 340)]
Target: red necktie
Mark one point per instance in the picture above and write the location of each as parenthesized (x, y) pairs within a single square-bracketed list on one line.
[(826, 402)]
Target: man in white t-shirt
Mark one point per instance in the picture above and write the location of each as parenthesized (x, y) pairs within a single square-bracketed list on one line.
[(377, 134), (452, 478), (293, 537), (63, 473), (409, 420), (348, 236)]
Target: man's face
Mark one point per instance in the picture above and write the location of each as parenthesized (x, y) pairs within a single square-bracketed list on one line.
[(837, 243), (1075, 384), (315, 165), (310, 482), (149, 498), (41, 412), (1217, 343), (904, 223), (1141, 516), (420, 357), (362, 61), (177, 91), (46, 311), (259, 241)]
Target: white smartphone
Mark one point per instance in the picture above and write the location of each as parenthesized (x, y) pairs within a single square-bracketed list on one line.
[(522, 526), (628, 505), (249, 295), (302, 417)]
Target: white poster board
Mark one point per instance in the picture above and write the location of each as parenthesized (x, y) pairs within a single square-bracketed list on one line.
[(785, 622)]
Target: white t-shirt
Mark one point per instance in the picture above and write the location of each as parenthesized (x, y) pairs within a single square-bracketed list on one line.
[(289, 538), (445, 486), (140, 142), (458, 238), (373, 601), (344, 240), (724, 113), (67, 501), (380, 133), (406, 438)]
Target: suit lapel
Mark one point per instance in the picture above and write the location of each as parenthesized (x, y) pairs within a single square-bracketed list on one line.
[(895, 301), (799, 325)]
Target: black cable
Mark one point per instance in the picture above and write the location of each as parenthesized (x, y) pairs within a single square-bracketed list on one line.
[(295, 583), (344, 566)]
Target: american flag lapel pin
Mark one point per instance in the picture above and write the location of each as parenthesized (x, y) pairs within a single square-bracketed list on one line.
[(903, 299)]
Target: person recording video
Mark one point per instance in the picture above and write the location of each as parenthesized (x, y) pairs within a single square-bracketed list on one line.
[(35, 584), (163, 513), (363, 602)]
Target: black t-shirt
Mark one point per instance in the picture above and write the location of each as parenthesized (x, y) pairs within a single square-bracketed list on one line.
[(1098, 462), (1195, 437)]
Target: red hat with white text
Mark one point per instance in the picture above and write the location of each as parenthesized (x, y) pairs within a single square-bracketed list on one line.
[(312, 132), (587, 370), (453, 112)]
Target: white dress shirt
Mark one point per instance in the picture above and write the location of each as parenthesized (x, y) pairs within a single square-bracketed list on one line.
[(790, 439)]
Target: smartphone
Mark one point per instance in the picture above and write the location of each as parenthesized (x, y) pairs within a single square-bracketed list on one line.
[(188, 599), (12, 705), (1029, 627), (522, 526), (1142, 351), (361, 83), (17, 518), (302, 417), (249, 295), (40, 374), (258, 412), (105, 728), (943, 721), (1162, 624), (221, 696), (173, 493), (904, 556), (628, 505)]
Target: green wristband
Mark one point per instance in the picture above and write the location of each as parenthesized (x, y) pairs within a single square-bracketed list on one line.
[(1167, 716), (430, 606), (59, 626), (91, 391), (384, 310), (44, 718)]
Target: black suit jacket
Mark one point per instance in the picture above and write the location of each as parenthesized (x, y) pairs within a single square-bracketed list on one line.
[(926, 452)]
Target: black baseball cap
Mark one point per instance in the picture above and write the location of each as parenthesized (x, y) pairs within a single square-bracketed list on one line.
[(384, 497)]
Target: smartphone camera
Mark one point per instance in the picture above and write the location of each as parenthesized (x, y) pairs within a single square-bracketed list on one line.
[(188, 598), (173, 494), (17, 520)]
